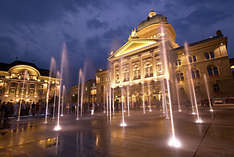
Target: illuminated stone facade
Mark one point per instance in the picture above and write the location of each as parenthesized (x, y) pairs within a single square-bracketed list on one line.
[(89, 93), (25, 81), (137, 67)]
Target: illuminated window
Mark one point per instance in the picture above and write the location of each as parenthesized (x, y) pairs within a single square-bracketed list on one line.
[(136, 72), (192, 59), (159, 69), (148, 70), (212, 71), (209, 55), (13, 84), (180, 76), (195, 74), (178, 62), (126, 76)]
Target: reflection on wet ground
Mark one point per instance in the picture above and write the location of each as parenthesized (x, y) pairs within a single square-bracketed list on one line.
[(145, 135)]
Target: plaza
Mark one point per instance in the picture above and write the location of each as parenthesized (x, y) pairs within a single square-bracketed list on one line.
[(147, 134), (149, 96)]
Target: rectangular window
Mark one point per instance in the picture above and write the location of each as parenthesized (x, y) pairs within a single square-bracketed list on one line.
[(212, 55)]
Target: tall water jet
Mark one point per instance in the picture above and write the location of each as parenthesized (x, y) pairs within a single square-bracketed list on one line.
[(52, 68), (143, 96), (174, 142), (110, 100), (107, 102), (63, 60), (122, 124), (58, 127), (199, 120), (128, 100), (62, 106), (104, 100), (82, 94), (55, 91), (22, 94), (149, 100), (208, 93), (78, 94), (113, 100), (164, 100), (178, 97), (190, 93), (55, 94)]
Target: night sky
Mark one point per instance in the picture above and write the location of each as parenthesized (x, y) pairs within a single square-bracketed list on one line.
[(35, 30)]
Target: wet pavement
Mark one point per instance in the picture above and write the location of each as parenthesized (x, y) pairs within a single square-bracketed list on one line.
[(145, 135)]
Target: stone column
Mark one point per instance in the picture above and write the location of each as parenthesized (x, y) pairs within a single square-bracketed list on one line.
[(142, 68), (8, 87), (130, 71), (154, 65)]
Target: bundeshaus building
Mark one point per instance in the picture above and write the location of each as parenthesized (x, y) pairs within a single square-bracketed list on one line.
[(24, 81), (137, 68)]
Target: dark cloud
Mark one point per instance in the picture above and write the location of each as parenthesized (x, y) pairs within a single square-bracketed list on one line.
[(118, 32), (8, 48), (35, 30), (96, 24), (41, 11), (205, 16), (31, 11)]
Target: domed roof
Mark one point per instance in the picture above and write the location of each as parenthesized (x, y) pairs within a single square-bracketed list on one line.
[(153, 18)]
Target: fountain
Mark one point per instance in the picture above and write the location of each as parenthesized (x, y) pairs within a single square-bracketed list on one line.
[(178, 97), (52, 68), (107, 102), (22, 94), (78, 94), (58, 127), (110, 100), (122, 124), (199, 120), (164, 100), (190, 93), (143, 96), (55, 94), (149, 100), (62, 106), (208, 93), (82, 92), (174, 142), (55, 91), (128, 100), (63, 60), (113, 100)]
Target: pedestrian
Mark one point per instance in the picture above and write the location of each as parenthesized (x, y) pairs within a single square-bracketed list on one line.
[(15, 108), (33, 109)]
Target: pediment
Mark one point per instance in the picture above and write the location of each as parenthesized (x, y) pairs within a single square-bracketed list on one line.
[(133, 45)]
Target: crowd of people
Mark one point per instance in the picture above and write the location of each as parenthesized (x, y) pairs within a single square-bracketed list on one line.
[(9, 109)]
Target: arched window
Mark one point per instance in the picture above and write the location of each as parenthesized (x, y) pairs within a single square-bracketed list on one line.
[(148, 70), (192, 59), (126, 74), (212, 71), (136, 72)]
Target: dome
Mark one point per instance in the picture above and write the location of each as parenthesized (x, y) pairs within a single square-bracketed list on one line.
[(153, 18)]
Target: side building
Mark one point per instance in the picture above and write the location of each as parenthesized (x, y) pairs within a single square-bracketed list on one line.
[(24, 81), (89, 93)]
